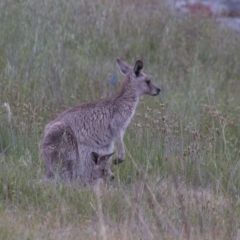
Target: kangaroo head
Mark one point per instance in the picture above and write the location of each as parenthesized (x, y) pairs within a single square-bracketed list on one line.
[(101, 167), (137, 80)]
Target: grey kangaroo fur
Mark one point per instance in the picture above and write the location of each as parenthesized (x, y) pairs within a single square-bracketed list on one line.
[(70, 139)]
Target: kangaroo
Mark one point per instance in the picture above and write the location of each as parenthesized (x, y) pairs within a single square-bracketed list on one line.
[(95, 126)]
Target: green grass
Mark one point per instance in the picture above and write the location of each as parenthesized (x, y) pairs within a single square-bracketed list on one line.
[(180, 179)]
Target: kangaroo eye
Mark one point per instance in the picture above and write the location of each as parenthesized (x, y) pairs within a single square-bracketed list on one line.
[(148, 82), (103, 172)]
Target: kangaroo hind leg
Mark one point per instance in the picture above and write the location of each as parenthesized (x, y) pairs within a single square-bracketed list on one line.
[(59, 151)]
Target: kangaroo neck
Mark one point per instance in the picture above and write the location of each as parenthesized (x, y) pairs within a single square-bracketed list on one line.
[(126, 103), (128, 97), (128, 94)]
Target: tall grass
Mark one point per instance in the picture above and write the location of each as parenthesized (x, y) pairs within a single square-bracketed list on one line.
[(180, 179)]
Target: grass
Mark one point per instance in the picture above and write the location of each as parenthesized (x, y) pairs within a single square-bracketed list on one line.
[(181, 176)]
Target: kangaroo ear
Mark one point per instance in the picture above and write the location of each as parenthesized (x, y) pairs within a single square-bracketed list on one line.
[(95, 157), (124, 67), (138, 67)]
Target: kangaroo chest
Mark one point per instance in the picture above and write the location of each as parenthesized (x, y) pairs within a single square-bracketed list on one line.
[(122, 118)]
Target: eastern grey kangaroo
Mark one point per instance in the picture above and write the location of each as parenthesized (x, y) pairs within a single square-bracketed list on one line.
[(95, 126)]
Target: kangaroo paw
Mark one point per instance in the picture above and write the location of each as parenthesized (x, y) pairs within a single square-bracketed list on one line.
[(117, 161)]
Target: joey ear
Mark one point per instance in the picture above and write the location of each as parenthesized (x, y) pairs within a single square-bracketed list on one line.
[(106, 157), (124, 67), (109, 155), (138, 67), (95, 157)]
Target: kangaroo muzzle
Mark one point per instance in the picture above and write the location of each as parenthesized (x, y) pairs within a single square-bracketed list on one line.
[(158, 90)]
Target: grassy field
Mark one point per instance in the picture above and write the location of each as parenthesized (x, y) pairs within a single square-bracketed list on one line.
[(181, 176)]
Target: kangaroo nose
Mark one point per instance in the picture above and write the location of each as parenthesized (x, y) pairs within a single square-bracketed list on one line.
[(112, 177), (157, 92)]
